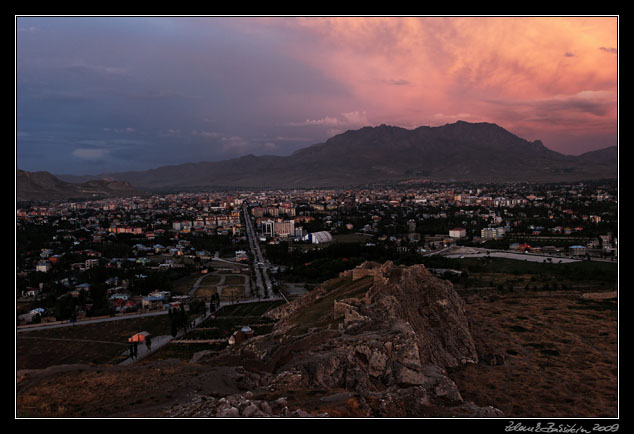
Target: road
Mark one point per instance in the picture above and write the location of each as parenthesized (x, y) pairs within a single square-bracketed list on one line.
[(480, 252), (518, 256), (264, 286), (90, 321), (260, 264)]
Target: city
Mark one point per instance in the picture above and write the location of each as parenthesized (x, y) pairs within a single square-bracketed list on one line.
[(130, 265), (324, 217), (124, 251)]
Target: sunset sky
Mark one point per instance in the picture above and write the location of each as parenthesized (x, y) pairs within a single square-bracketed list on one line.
[(108, 94)]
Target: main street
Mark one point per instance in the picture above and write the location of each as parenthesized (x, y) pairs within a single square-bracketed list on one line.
[(260, 264)]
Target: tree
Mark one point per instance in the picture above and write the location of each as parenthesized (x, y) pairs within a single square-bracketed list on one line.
[(65, 307), (174, 328)]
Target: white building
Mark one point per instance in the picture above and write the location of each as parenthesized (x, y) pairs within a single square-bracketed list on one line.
[(284, 228), (319, 237), (457, 233), (43, 267), (267, 227), (281, 228), (492, 233)]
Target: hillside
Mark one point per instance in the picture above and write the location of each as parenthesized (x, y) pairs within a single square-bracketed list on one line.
[(379, 337), (605, 156), (378, 341), (478, 152), (45, 186)]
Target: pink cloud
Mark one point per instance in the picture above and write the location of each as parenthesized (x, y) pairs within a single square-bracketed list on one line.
[(349, 119), (515, 71)]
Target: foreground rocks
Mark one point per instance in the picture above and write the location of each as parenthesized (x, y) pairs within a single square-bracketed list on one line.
[(242, 405), (382, 335)]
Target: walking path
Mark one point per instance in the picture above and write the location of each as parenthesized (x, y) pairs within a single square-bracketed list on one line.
[(160, 341)]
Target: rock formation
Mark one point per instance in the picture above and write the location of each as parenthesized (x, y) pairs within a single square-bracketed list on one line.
[(383, 334)]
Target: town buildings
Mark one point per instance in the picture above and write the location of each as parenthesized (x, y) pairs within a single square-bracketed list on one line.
[(62, 244)]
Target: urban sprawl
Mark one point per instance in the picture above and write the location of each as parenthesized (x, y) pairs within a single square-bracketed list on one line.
[(78, 259)]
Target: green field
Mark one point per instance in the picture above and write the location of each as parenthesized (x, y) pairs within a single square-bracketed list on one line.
[(482, 272), (583, 270)]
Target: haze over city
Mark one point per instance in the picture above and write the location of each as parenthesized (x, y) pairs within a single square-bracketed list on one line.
[(108, 94)]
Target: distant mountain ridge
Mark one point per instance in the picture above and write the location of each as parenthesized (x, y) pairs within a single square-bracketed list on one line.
[(462, 151), (45, 186), (607, 155)]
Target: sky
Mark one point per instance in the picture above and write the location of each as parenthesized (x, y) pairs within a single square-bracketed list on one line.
[(109, 94)]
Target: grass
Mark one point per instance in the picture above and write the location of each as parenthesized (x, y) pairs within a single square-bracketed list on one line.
[(234, 280), (519, 329), (183, 351), (249, 309), (562, 349), (226, 321), (184, 284), (598, 305), (574, 272), (232, 292), (101, 343), (351, 238), (205, 292), (210, 280), (320, 313)]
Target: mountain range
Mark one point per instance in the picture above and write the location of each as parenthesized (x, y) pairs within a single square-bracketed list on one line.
[(462, 151)]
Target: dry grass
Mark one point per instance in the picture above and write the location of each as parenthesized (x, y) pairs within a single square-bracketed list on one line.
[(232, 293), (561, 357), (101, 343), (320, 313), (206, 291)]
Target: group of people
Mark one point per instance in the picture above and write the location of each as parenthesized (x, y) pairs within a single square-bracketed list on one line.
[(134, 347)]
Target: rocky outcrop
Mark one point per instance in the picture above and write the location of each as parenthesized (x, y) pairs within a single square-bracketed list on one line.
[(241, 405), (389, 345), (430, 306)]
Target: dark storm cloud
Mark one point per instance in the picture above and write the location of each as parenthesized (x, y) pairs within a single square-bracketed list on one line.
[(93, 76), (125, 93)]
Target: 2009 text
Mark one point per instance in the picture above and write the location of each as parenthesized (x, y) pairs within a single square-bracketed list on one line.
[(552, 427)]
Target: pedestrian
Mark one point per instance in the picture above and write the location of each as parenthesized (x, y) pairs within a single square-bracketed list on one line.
[(135, 349)]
